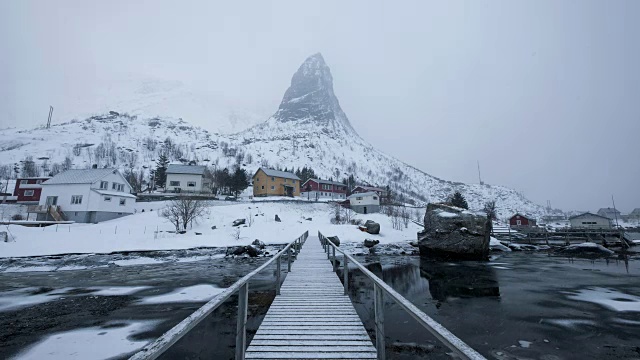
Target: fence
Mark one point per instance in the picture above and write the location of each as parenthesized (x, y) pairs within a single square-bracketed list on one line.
[(164, 342), (380, 288)]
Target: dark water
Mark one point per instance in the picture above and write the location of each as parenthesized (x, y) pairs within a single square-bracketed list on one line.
[(520, 305)]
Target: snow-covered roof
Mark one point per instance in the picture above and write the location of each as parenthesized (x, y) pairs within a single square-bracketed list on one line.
[(635, 211), (278, 173), (589, 214), (608, 210), (524, 216), (363, 194), (79, 176), (185, 169), (320, 181)]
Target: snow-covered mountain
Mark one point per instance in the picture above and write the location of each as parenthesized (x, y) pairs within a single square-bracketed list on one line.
[(308, 129)]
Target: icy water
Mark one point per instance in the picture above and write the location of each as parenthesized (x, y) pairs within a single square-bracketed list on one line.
[(517, 306)]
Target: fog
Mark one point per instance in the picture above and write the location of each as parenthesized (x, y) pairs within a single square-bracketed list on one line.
[(544, 94)]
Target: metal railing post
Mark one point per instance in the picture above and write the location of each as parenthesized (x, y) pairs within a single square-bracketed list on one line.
[(345, 275), (335, 267), (278, 276), (289, 261), (378, 304), (241, 335)]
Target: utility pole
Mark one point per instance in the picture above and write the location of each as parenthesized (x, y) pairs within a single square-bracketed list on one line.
[(479, 177), (50, 113)]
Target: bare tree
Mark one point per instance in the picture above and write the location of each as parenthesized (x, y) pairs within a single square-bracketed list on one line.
[(490, 210), (181, 212), (405, 216)]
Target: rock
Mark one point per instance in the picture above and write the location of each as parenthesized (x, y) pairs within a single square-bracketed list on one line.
[(236, 250), (257, 243), (198, 233), (308, 219), (213, 227), (372, 227), (442, 235), (496, 245), (588, 250), (182, 232), (277, 218), (252, 251), (371, 243), (238, 222), (413, 243), (334, 240), (4, 236)]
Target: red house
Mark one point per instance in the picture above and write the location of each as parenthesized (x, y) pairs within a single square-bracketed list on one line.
[(316, 189), (521, 220), (28, 189)]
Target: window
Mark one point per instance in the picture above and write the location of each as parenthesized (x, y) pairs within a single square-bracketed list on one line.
[(123, 202), (285, 180), (114, 186), (358, 197), (518, 222), (121, 187), (273, 179), (76, 199), (174, 183), (273, 187), (24, 182), (262, 187), (107, 198), (257, 179), (293, 181), (28, 193), (375, 198), (191, 184), (39, 181), (104, 185)]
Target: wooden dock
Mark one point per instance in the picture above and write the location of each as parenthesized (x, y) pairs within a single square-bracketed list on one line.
[(311, 318)]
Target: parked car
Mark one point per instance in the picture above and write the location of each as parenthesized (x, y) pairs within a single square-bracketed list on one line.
[(230, 198)]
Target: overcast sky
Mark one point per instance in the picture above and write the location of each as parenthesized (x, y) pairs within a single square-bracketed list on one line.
[(545, 94)]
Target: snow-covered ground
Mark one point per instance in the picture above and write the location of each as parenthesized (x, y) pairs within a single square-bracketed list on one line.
[(149, 231)]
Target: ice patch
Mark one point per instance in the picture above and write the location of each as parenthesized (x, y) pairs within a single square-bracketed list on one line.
[(135, 261), (569, 323), (89, 343), (14, 299), (447, 214), (118, 290), (609, 298), (196, 293), (524, 344)]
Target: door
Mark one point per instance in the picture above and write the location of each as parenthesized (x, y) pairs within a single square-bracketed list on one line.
[(365, 209), (52, 200)]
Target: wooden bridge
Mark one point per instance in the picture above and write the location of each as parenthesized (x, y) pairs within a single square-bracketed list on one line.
[(312, 316)]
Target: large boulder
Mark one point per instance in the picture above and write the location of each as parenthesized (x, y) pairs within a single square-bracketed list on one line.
[(334, 240), (278, 218), (372, 227), (371, 243), (586, 250), (238, 222), (258, 244), (452, 232), (253, 251)]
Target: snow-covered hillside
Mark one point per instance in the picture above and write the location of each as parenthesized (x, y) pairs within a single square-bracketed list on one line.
[(309, 129)]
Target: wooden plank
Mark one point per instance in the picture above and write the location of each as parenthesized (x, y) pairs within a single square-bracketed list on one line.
[(311, 318)]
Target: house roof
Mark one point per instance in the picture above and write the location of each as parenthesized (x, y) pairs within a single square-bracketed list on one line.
[(608, 210), (79, 176), (524, 216), (371, 188), (320, 181), (186, 169), (635, 211), (114, 193), (589, 214), (363, 194), (35, 178), (278, 173)]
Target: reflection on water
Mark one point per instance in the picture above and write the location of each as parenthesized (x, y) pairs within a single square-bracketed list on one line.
[(460, 279)]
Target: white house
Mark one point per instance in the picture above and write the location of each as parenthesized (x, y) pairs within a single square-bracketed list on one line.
[(590, 221), (186, 178), (365, 203), (86, 196)]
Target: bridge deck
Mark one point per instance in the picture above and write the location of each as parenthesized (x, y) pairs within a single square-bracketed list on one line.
[(311, 318)]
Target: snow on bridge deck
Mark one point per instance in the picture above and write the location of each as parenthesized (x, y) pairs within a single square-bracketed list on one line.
[(311, 318)]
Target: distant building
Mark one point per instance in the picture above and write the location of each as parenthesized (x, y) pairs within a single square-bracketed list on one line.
[(186, 178), (269, 182), (610, 213), (85, 196), (521, 220), (382, 193), (590, 221), (634, 215), (365, 203), (28, 190), (316, 189)]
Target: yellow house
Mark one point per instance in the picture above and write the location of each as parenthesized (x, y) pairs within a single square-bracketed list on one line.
[(269, 182)]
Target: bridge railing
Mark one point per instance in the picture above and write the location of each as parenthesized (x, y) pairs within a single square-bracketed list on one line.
[(168, 339), (380, 288)]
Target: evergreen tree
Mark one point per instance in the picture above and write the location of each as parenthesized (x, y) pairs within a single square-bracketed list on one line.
[(459, 201), (239, 181), (161, 171)]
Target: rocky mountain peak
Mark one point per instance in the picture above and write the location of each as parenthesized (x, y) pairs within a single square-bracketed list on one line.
[(310, 98)]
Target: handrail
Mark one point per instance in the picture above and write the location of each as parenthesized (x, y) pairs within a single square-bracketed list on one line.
[(164, 342), (456, 345)]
